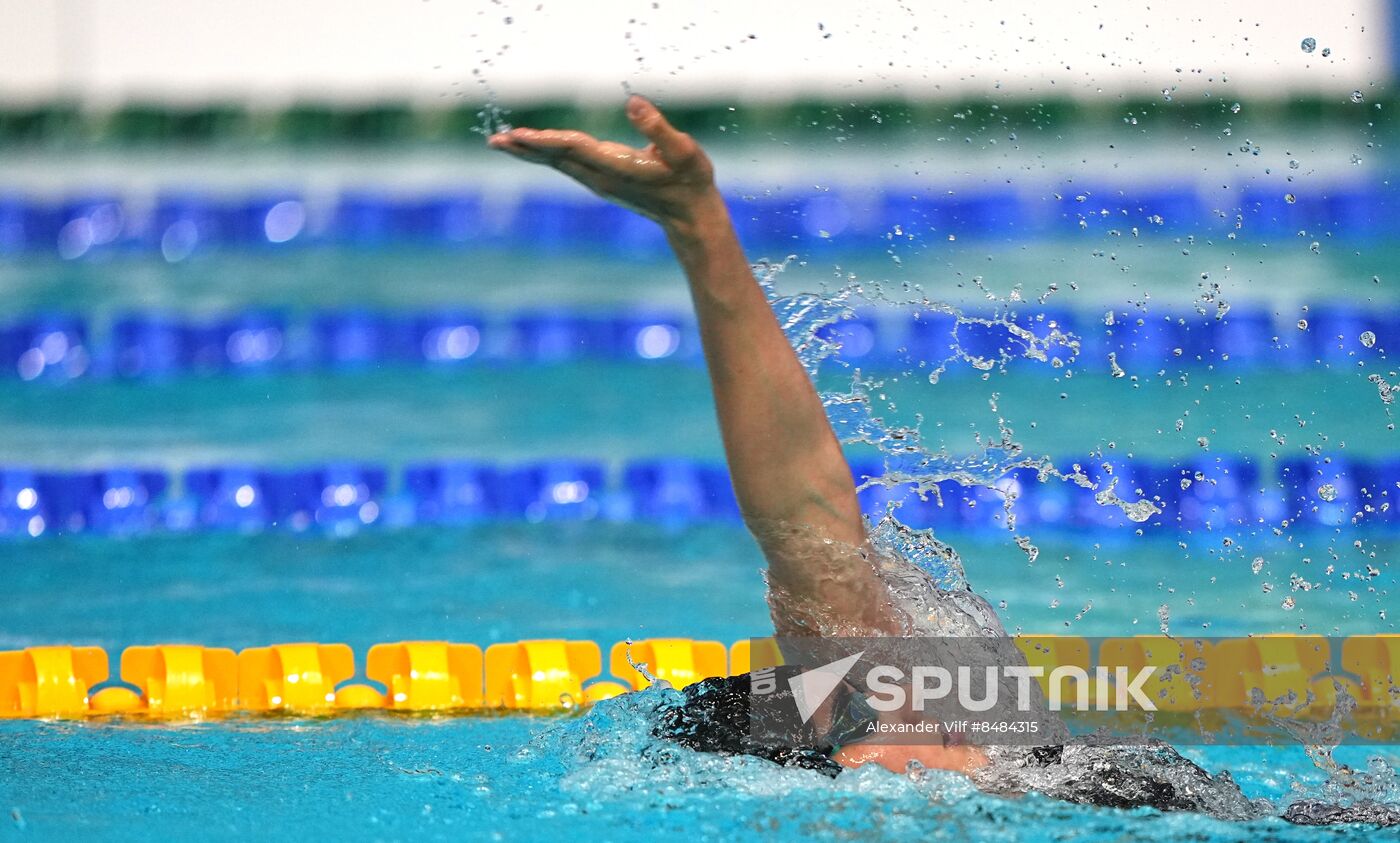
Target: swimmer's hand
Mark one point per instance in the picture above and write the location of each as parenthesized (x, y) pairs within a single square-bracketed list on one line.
[(670, 181)]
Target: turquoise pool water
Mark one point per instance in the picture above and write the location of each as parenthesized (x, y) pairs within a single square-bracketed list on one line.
[(538, 778), (519, 778)]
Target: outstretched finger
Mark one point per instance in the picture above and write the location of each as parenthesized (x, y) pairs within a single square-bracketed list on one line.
[(673, 145), (604, 156), (589, 176), (507, 144)]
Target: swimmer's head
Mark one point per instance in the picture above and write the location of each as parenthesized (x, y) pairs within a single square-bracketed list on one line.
[(723, 715)]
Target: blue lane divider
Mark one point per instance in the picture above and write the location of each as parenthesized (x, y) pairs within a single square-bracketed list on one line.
[(150, 346), (27, 225), (1324, 492), (1140, 341), (558, 490), (453, 492), (50, 347), (234, 497), (118, 501), (1224, 491), (1041, 505), (355, 338), (678, 492), (58, 347), (1220, 496), (929, 338), (445, 338), (1128, 480), (179, 223), (1240, 338), (20, 510), (557, 337)]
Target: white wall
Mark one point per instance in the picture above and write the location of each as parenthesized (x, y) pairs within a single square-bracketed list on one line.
[(273, 51)]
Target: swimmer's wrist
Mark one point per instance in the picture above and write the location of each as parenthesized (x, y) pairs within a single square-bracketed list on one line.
[(698, 221)]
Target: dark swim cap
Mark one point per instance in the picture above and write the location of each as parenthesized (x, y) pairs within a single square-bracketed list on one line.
[(725, 716)]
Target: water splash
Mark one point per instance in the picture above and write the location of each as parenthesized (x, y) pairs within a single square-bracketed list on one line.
[(1384, 388), (612, 756), (925, 577), (1131, 775), (923, 591), (644, 669), (492, 118), (908, 461)]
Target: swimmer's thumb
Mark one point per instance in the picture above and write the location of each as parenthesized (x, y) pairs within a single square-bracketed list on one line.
[(649, 120)]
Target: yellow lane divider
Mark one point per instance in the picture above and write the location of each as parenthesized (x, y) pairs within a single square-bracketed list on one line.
[(183, 681)]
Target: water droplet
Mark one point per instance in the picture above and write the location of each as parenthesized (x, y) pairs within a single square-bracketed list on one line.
[(1293, 164), (1235, 109), (1326, 51), (1309, 44), (1357, 96), (1327, 492), (1257, 565), (1368, 338), (1355, 159), (1288, 603), (1290, 198), (1302, 324)]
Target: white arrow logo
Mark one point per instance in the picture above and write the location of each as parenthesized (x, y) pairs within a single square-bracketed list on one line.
[(811, 688)]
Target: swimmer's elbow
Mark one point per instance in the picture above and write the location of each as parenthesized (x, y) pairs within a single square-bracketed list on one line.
[(829, 508)]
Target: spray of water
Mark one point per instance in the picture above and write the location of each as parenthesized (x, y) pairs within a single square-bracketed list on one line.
[(908, 461), (925, 593)]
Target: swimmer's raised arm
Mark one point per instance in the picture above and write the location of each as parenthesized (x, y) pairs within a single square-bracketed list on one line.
[(784, 458)]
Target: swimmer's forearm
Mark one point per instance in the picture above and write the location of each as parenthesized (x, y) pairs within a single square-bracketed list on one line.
[(784, 458)]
